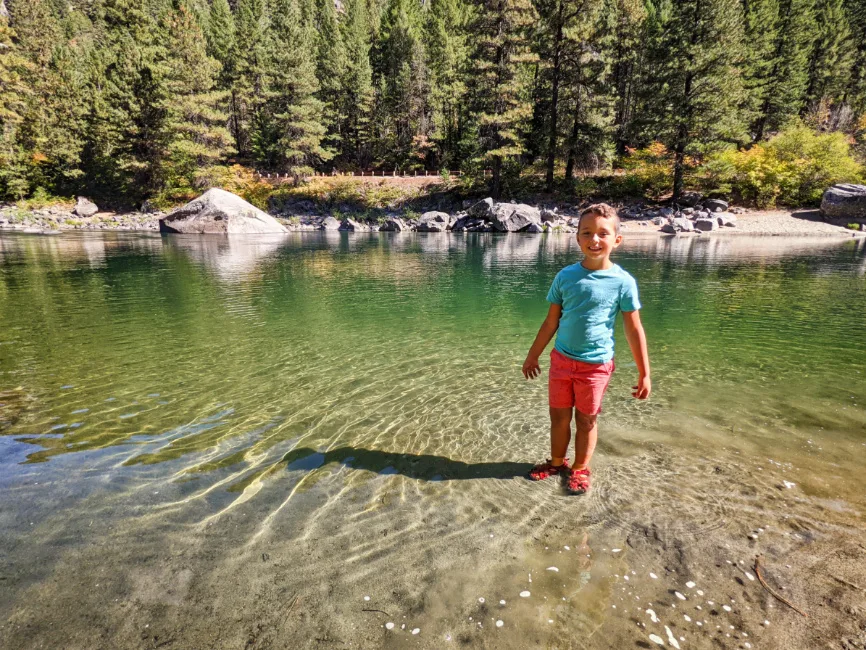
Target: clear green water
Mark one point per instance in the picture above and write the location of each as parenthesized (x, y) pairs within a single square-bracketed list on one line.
[(354, 404)]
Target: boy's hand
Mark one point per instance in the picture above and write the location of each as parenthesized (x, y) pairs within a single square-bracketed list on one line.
[(531, 369), (643, 389)]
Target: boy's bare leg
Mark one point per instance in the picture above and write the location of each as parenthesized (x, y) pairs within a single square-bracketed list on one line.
[(560, 433), (585, 437)]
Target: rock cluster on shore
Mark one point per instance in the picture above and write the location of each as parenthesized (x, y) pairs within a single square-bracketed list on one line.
[(85, 215)]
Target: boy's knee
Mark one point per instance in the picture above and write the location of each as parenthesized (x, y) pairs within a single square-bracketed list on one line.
[(583, 421)]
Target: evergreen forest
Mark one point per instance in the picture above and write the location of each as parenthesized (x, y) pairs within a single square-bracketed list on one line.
[(135, 99)]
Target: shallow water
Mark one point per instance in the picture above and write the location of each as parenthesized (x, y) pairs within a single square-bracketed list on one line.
[(270, 429)]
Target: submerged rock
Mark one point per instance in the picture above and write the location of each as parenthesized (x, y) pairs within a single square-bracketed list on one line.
[(219, 212), (846, 201)]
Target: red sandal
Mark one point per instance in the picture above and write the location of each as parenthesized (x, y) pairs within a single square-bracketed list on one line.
[(547, 469), (578, 481)]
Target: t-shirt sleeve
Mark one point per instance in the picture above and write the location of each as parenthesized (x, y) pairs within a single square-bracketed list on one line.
[(555, 294), (628, 296)]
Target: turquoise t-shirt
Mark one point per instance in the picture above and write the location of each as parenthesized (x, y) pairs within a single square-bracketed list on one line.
[(590, 302)]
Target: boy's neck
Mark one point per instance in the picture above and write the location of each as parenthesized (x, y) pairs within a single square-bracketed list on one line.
[(597, 265)]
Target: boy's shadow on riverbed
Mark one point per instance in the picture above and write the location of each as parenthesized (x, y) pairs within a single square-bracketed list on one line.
[(424, 467)]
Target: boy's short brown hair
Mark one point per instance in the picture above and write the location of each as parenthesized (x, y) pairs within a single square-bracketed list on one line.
[(602, 210)]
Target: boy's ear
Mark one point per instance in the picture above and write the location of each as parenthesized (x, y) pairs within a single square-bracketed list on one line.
[(618, 240)]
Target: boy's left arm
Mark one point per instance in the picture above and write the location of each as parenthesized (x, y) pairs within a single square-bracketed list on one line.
[(636, 338)]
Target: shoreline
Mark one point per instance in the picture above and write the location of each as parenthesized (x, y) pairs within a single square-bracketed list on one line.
[(754, 223)]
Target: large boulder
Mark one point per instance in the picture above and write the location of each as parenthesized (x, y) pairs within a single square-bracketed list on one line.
[(716, 205), (85, 207), (481, 210), (393, 224), (353, 226), (689, 199), (431, 225), (678, 224), (330, 223), (514, 217), (706, 224), (845, 201), (219, 212)]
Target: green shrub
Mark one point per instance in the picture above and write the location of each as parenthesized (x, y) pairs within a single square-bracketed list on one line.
[(854, 226), (793, 168), (41, 198)]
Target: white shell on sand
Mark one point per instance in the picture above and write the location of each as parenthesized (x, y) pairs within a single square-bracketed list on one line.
[(615, 550), (389, 625), (690, 584), (480, 600), (788, 484), (552, 568), (679, 595), (671, 638), (749, 575), (366, 598), (652, 615), (499, 623), (525, 594), (656, 639), (416, 630), (727, 608), (501, 602), (653, 576), (688, 618)]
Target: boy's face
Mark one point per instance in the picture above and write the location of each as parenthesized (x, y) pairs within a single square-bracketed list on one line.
[(597, 236)]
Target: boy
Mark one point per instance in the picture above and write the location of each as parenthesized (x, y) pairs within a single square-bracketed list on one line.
[(584, 301)]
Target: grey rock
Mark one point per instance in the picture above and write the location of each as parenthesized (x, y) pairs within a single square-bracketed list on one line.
[(329, 223), (687, 211), (441, 217), (3, 10), (461, 223), (514, 217), (432, 226), (219, 212), (715, 205), (845, 201), (681, 224), (353, 226), (726, 219), (666, 212), (534, 228), (548, 215), (394, 224), (705, 224), (689, 199), (658, 221), (482, 209), (85, 207)]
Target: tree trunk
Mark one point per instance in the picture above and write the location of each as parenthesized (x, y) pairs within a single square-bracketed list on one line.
[(496, 180), (572, 141), (554, 102)]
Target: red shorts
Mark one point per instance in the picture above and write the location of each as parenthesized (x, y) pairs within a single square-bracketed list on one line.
[(577, 384)]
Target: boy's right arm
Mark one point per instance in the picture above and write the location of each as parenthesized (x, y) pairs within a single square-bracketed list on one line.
[(548, 328)]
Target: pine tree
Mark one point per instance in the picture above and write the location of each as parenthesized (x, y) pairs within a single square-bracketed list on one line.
[(221, 41), (832, 54), (290, 130), (697, 87), (856, 92), (760, 25), (627, 55), (195, 122), (785, 89), (448, 50), (402, 68), (568, 27), (14, 98), (499, 82), (357, 86), (330, 68), (249, 79)]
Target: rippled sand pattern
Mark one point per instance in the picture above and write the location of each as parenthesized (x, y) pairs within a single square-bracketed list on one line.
[(294, 441)]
